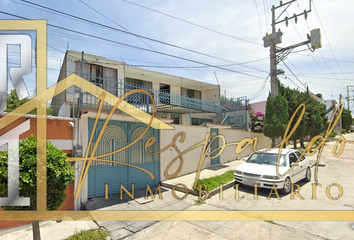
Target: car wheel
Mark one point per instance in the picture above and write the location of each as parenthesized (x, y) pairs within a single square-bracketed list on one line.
[(308, 175), (287, 186)]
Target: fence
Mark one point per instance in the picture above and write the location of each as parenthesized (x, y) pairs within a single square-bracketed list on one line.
[(167, 104)]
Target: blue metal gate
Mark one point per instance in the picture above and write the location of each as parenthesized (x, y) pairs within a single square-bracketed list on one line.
[(214, 145), (117, 135)]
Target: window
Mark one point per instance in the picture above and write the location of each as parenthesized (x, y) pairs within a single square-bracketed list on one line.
[(298, 154), (292, 158), (97, 75), (137, 98), (200, 121), (190, 93)]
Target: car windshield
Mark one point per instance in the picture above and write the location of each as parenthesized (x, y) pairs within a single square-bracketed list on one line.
[(266, 158)]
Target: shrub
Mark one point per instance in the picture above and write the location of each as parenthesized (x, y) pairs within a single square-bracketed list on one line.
[(333, 134), (59, 175)]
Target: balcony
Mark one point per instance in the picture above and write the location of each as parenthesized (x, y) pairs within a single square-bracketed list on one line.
[(167, 105)]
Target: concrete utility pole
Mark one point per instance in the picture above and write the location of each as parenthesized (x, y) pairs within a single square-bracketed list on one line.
[(278, 55), (348, 97), (273, 62), (340, 119)]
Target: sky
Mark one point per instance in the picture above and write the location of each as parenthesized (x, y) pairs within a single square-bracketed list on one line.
[(218, 42)]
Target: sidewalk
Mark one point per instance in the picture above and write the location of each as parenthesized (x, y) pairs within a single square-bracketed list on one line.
[(49, 230), (189, 179), (61, 230)]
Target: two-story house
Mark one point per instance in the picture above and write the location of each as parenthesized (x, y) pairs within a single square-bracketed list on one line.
[(183, 102)]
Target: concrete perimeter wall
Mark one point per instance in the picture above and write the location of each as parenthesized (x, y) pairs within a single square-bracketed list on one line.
[(196, 134), (234, 136), (263, 141)]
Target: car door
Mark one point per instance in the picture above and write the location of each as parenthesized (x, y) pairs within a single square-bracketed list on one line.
[(303, 164), (295, 173)]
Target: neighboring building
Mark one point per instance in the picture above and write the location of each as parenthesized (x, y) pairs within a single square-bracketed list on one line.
[(259, 106), (332, 104), (329, 104)]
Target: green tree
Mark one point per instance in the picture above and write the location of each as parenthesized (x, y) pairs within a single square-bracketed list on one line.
[(295, 98), (276, 117), (347, 119), (317, 120), (314, 120), (59, 175), (14, 102)]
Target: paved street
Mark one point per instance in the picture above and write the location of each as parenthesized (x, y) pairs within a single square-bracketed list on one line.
[(331, 170)]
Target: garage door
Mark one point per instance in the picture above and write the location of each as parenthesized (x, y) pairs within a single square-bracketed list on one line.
[(117, 135)]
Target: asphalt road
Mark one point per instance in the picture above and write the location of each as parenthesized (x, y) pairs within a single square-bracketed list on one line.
[(338, 170)]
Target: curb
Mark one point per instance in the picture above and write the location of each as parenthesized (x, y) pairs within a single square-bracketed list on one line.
[(195, 193), (180, 188), (224, 187)]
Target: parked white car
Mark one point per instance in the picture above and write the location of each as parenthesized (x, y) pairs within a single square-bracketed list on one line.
[(260, 169)]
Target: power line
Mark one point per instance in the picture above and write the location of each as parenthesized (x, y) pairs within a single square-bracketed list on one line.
[(332, 59), (313, 57), (261, 90), (93, 9), (328, 78), (328, 65), (132, 46), (259, 18), (266, 15), (330, 47), (194, 24), (305, 76), (301, 40), (136, 35), (294, 75), (223, 65), (305, 49)]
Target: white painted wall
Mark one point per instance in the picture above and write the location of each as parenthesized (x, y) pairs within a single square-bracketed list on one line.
[(211, 95), (176, 90), (233, 135), (263, 141), (185, 119), (194, 135)]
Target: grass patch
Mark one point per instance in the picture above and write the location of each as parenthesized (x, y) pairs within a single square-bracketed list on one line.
[(214, 182), (199, 202), (89, 235)]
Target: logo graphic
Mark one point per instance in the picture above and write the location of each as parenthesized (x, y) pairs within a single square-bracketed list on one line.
[(12, 137), (15, 73), (39, 102)]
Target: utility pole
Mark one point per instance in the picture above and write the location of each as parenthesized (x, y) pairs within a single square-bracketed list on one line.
[(274, 85), (348, 97), (279, 54), (340, 119)]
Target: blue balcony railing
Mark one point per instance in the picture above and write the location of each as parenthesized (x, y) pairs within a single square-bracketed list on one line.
[(168, 105)]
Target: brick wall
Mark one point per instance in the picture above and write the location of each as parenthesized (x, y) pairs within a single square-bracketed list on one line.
[(57, 129)]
